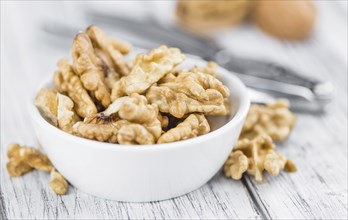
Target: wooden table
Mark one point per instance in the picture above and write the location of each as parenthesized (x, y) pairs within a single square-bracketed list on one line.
[(318, 143)]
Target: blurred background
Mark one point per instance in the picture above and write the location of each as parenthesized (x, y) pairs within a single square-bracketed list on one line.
[(309, 37), (34, 35), (301, 43)]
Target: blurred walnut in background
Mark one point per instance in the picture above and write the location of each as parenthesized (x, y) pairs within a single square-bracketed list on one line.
[(285, 19), (205, 16), (291, 20)]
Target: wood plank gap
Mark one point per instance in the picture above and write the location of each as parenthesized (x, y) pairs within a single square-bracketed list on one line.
[(259, 205), (3, 215)]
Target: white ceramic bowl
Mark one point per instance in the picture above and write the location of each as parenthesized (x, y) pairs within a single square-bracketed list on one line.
[(151, 172)]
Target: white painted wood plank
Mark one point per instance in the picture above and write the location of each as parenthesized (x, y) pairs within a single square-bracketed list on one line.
[(319, 189), (29, 197)]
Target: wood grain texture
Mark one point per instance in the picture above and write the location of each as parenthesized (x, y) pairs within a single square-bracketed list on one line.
[(29, 197), (318, 144), (319, 189), (3, 214)]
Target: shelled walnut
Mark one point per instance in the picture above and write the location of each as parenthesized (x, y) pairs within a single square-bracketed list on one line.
[(47, 102), (57, 183), (110, 51), (116, 100), (57, 108), (199, 86), (255, 150), (178, 104), (210, 69), (87, 65), (126, 118), (193, 126), (255, 156), (66, 115), (67, 82), (274, 119), (147, 70), (24, 159)]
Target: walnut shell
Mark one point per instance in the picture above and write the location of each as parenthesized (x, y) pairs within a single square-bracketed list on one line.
[(204, 16), (290, 20)]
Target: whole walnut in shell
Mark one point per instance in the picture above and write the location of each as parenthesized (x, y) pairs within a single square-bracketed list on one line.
[(204, 16), (290, 20)]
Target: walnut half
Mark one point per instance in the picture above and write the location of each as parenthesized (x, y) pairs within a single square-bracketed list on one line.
[(194, 125), (57, 108), (147, 70), (133, 109), (58, 183), (24, 159), (273, 119), (255, 156), (178, 104)]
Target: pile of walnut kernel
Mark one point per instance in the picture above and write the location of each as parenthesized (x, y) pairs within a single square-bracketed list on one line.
[(24, 159), (255, 150), (103, 97)]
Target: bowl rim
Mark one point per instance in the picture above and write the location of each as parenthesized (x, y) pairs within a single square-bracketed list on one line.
[(240, 114)]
